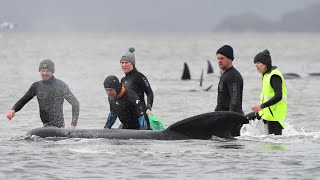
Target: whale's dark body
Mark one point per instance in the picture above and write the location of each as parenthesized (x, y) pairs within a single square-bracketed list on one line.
[(202, 126)]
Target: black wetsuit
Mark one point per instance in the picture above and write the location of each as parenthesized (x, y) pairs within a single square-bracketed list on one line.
[(230, 92), (128, 108), (51, 95), (137, 82)]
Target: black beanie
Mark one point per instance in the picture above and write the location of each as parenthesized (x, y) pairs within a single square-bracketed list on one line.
[(112, 82), (227, 51), (263, 57), (47, 64)]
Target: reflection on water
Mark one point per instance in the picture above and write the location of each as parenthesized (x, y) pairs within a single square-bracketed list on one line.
[(231, 146), (268, 147)]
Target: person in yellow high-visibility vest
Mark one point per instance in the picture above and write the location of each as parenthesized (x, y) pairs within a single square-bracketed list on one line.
[(273, 105)]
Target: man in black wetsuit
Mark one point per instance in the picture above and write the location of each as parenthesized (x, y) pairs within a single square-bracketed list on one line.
[(125, 105), (50, 93), (230, 87), (273, 106)]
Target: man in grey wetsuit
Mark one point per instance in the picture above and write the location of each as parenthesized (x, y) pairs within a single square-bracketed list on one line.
[(50, 93)]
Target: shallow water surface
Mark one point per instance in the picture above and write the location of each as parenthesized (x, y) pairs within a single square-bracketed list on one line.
[(84, 60)]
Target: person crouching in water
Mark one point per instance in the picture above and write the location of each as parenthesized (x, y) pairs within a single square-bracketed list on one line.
[(125, 105), (273, 107)]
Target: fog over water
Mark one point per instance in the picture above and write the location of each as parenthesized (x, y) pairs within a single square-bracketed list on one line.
[(136, 16)]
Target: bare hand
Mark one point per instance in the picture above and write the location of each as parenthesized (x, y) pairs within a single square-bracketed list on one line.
[(72, 127), (149, 111), (11, 114), (256, 108)]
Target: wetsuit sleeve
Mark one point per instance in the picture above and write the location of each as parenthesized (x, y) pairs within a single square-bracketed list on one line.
[(234, 87), (276, 84), (111, 120), (26, 98), (139, 106), (148, 90), (74, 103)]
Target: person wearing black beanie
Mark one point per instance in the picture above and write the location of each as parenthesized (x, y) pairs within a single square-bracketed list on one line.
[(230, 88), (227, 51), (264, 58), (112, 82), (125, 105), (273, 104)]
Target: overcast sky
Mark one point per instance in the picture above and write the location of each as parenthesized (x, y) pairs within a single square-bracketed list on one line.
[(136, 15)]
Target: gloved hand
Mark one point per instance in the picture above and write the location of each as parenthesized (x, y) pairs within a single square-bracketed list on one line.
[(110, 121), (143, 123), (252, 116)]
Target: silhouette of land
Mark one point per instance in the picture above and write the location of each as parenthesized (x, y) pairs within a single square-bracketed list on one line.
[(304, 20)]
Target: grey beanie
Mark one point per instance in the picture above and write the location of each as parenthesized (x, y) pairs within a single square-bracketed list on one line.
[(129, 56), (47, 64)]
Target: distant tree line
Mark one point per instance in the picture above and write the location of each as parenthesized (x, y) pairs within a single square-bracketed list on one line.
[(305, 20)]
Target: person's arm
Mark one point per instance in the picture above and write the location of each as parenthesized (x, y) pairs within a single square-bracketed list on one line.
[(234, 88), (111, 120), (148, 90), (75, 105), (23, 101), (139, 107), (276, 84)]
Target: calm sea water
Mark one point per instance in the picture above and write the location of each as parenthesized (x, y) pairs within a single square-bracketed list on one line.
[(84, 60)]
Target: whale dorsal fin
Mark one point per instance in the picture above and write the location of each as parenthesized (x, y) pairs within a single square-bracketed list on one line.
[(186, 73), (210, 68)]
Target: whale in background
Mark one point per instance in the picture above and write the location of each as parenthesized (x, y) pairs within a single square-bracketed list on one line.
[(210, 68), (291, 76), (186, 72)]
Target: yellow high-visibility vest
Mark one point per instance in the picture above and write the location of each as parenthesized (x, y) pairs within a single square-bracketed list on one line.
[(278, 111)]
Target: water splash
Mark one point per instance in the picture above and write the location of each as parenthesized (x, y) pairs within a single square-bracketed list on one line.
[(257, 131)]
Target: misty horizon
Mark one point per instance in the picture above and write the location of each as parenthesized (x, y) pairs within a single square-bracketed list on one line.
[(135, 16)]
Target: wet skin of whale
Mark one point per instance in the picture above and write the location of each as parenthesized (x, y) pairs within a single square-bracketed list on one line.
[(202, 126)]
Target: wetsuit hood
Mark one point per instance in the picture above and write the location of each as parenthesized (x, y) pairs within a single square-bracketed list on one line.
[(112, 82)]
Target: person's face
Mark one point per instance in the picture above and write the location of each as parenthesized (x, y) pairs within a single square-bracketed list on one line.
[(126, 66), (46, 74), (223, 62), (262, 68), (112, 93)]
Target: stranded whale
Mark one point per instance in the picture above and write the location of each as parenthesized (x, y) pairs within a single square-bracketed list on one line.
[(202, 126)]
